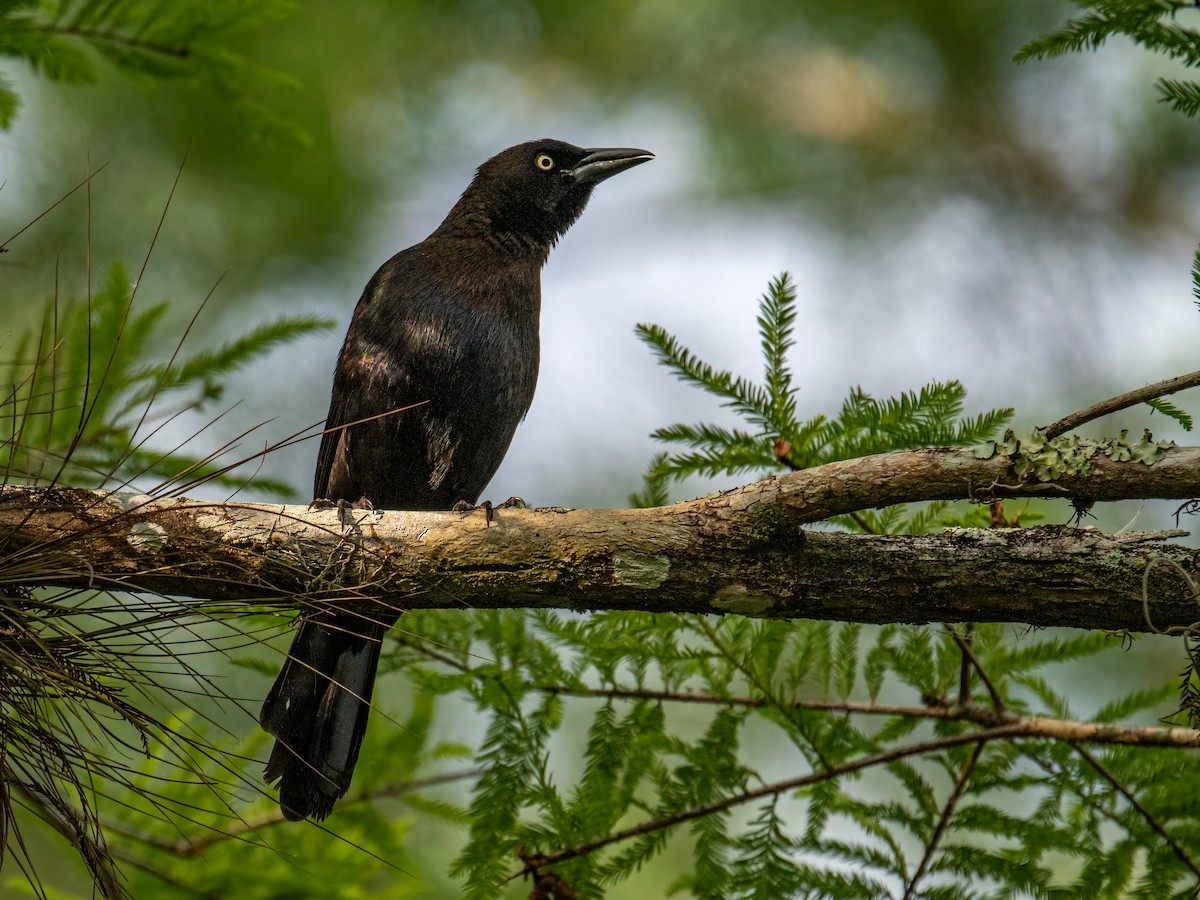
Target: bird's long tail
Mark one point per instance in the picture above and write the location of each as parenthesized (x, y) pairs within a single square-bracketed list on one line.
[(317, 710)]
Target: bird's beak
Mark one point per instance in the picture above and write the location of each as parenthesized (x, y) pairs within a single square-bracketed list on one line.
[(606, 162)]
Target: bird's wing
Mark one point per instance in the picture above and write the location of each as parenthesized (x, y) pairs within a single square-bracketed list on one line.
[(332, 479), (380, 452)]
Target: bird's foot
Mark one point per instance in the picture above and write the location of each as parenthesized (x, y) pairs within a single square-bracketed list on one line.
[(344, 508), (489, 508)]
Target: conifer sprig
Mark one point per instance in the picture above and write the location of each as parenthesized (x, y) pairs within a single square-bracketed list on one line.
[(80, 392), (175, 40), (1163, 26), (775, 438)]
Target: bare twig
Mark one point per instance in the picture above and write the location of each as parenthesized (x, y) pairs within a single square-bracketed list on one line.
[(768, 790), (1122, 401), (947, 811), (48, 209), (965, 646), (1028, 726), (1141, 810)]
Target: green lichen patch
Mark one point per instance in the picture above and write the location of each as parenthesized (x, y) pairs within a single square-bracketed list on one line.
[(1048, 459), (640, 570)]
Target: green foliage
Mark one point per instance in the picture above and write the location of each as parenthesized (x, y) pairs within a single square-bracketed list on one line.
[(81, 401), (1196, 278), (215, 810), (150, 42), (1152, 24), (1172, 411), (597, 723), (775, 438)]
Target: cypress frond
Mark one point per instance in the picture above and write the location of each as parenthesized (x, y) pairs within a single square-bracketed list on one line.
[(1181, 96)]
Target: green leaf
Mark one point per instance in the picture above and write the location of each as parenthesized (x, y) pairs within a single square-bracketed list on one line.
[(1161, 405)]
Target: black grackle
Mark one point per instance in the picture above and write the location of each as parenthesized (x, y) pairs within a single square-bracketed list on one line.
[(450, 324)]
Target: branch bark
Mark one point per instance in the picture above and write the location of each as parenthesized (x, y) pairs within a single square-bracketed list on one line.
[(742, 551)]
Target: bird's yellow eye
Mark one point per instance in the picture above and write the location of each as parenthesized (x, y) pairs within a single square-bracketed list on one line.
[(544, 162)]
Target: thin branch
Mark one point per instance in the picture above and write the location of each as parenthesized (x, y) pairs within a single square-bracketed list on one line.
[(947, 811), (1028, 726), (118, 39), (970, 657), (797, 722), (964, 665), (1153, 822), (768, 790), (49, 208), (1122, 401), (421, 647)]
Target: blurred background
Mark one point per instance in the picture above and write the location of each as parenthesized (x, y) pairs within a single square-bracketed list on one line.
[(945, 213)]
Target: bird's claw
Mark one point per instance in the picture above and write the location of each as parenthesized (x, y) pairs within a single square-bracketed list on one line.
[(345, 509), (489, 508)]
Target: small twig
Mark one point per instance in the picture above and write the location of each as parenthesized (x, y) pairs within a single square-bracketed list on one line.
[(861, 521), (121, 40), (764, 688), (964, 665), (1029, 726), (1142, 811), (947, 811), (51, 207), (779, 787), (443, 658), (965, 647), (1122, 401)]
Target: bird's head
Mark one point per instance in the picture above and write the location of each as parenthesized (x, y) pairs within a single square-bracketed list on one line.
[(535, 191)]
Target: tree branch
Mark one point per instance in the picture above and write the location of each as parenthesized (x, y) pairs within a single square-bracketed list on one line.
[(742, 551), (1122, 401)]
